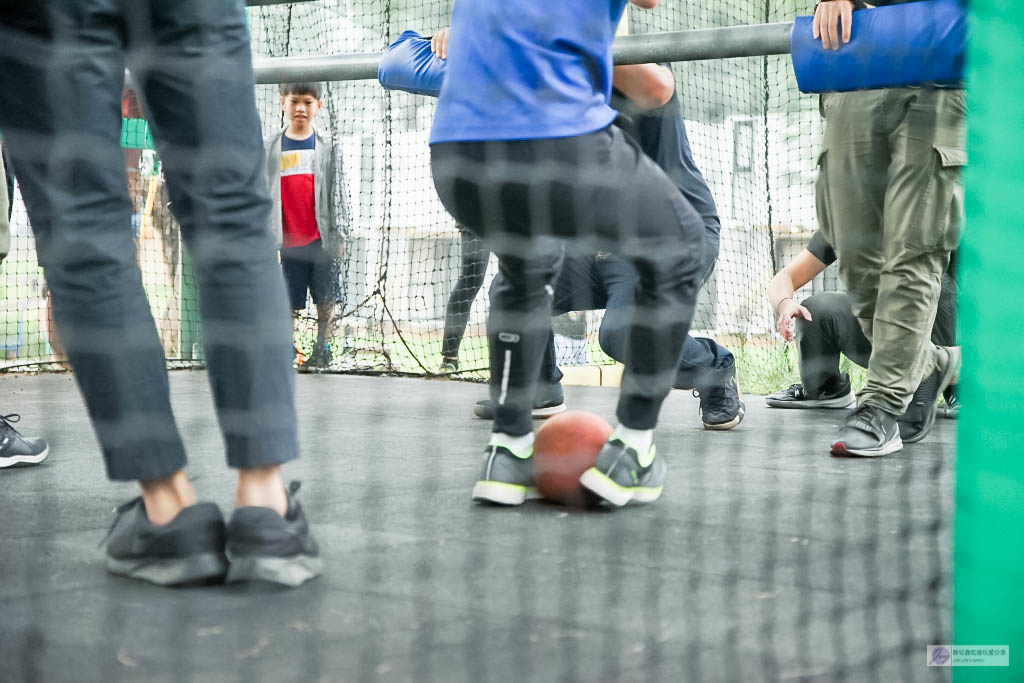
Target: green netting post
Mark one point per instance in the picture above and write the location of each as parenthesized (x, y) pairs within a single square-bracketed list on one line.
[(191, 332), (989, 529)]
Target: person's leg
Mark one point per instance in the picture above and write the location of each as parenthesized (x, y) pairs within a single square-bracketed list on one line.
[(5, 208), (852, 182), (832, 330), (322, 288), (473, 257), (192, 61), (75, 189), (923, 205)]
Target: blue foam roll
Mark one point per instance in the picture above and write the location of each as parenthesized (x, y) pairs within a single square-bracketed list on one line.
[(408, 64), (920, 43)]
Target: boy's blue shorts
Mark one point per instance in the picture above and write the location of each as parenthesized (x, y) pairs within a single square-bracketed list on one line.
[(309, 268)]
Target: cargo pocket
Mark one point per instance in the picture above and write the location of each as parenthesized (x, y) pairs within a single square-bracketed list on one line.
[(950, 195), (821, 199)]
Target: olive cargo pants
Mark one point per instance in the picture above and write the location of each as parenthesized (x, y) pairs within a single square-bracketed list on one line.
[(890, 201)]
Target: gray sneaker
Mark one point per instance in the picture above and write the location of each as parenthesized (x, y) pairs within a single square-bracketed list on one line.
[(189, 549), (869, 432), (620, 476), (264, 546), (17, 450), (506, 478)]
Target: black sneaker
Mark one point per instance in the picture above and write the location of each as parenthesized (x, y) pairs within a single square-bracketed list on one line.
[(868, 432), (796, 397), (448, 366), (506, 479), (920, 416), (189, 549), (720, 405), (17, 450), (550, 401), (620, 476), (264, 546)]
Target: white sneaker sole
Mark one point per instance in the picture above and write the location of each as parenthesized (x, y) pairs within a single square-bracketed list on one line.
[(536, 413), (839, 402), (840, 450), (502, 493), (600, 484), (22, 460)]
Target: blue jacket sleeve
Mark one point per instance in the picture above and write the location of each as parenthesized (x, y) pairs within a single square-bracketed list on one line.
[(408, 64), (919, 43)]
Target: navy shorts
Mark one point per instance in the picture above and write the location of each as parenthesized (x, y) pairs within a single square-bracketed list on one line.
[(309, 269)]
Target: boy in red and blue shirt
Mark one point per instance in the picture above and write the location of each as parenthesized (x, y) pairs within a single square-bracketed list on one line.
[(309, 218)]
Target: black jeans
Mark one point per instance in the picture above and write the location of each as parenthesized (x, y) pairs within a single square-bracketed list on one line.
[(473, 256), (521, 197), (62, 67), (835, 330), (590, 282)]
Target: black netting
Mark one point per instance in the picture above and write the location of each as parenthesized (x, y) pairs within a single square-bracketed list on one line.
[(753, 135)]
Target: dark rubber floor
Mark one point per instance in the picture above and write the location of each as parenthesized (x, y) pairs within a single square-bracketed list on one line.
[(765, 559)]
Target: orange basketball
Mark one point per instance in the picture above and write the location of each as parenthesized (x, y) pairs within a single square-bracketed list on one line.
[(565, 447)]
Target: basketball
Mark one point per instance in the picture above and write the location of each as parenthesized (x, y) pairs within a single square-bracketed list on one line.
[(566, 446)]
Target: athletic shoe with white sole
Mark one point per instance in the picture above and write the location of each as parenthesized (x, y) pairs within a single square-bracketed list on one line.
[(187, 550), (17, 450), (621, 476), (550, 401), (721, 408), (264, 546), (506, 479), (869, 432), (796, 397)]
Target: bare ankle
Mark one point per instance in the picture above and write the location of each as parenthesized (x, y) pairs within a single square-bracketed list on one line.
[(261, 487), (165, 498)]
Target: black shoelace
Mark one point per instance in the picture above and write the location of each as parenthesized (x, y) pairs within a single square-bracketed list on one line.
[(7, 422)]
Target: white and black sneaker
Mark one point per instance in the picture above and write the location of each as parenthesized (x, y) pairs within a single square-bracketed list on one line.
[(721, 407), (622, 476), (506, 479), (869, 432), (264, 546), (188, 550), (796, 397), (550, 401), (17, 450)]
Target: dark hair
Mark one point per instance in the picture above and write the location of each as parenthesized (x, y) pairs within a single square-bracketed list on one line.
[(300, 89)]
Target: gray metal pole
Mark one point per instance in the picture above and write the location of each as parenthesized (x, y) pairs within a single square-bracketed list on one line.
[(677, 46), (258, 3), (757, 40)]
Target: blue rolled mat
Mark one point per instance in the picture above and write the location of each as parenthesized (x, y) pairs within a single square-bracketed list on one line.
[(408, 64), (920, 43)]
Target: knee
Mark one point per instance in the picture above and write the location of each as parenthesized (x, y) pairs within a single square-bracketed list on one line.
[(826, 306)]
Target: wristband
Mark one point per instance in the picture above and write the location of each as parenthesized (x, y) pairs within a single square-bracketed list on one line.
[(780, 303)]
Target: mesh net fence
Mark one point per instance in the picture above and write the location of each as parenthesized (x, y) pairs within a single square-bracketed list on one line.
[(406, 272), (764, 563)]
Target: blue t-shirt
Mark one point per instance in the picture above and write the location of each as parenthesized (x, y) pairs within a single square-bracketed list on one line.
[(526, 69)]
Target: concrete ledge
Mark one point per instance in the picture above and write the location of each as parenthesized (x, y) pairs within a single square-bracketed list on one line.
[(581, 375), (592, 375)]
